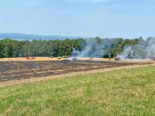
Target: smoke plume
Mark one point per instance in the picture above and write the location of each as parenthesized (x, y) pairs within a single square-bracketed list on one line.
[(143, 50), (95, 47)]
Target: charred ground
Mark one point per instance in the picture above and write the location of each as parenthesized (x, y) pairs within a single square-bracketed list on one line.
[(17, 70)]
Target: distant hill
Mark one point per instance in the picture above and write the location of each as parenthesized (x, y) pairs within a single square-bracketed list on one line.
[(19, 36)]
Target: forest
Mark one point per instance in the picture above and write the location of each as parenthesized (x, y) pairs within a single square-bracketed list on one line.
[(56, 48)]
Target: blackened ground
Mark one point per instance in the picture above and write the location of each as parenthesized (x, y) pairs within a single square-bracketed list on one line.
[(28, 69)]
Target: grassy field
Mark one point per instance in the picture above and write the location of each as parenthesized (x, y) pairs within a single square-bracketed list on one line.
[(120, 93)]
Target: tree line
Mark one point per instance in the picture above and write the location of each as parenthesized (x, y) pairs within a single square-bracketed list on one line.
[(55, 48)]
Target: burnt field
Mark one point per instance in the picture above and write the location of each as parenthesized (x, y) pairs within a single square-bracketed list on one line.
[(17, 70)]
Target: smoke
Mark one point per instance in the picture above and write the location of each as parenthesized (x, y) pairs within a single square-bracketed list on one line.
[(95, 47), (99, 48), (143, 50)]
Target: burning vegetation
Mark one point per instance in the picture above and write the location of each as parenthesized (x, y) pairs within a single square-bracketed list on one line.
[(141, 49), (144, 49)]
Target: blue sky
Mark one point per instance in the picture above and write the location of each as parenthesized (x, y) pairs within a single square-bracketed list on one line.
[(87, 18)]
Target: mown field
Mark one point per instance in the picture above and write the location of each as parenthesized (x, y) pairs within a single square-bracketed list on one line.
[(116, 93)]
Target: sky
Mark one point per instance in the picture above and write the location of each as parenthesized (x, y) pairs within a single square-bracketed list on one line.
[(85, 18)]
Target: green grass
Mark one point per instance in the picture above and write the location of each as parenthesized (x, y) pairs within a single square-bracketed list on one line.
[(117, 93)]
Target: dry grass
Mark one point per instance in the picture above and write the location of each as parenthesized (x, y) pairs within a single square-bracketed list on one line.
[(61, 58), (36, 59), (54, 58)]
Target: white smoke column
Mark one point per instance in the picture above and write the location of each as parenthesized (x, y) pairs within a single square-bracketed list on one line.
[(95, 47), (126, 53), (142, 50), (150, 47)]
